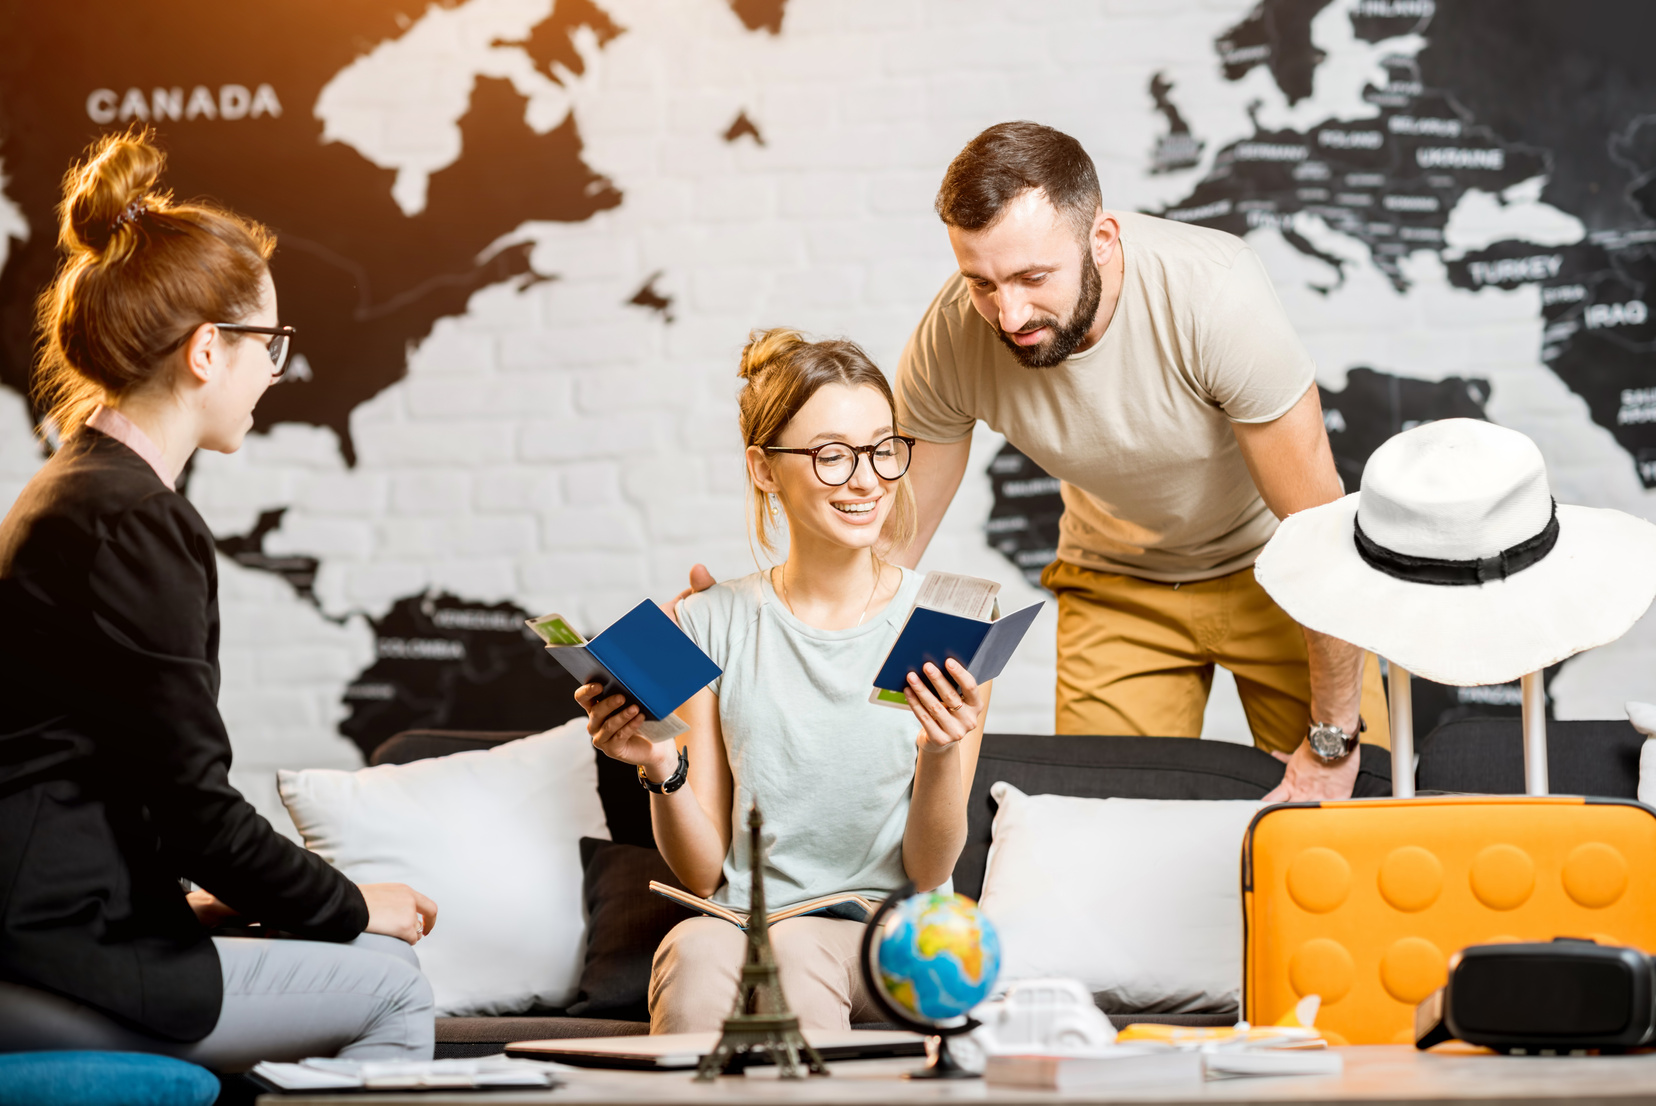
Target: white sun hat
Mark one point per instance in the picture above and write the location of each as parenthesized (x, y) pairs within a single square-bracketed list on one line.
[(1454, 562)]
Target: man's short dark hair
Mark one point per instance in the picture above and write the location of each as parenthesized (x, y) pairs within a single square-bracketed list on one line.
[(1010, 159)]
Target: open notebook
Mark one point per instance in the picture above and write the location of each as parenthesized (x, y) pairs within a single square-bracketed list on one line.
[(739, 918)]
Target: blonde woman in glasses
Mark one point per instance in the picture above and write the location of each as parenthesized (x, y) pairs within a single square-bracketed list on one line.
[(857, 798)]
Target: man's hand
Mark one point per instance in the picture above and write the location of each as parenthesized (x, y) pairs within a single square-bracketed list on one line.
[(1308, 779), (700, 580)]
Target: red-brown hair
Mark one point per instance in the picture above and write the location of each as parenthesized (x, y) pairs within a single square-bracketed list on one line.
[(140, 274)]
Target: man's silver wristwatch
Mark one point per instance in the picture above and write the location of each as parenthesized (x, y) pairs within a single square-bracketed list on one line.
[(1330, 744)]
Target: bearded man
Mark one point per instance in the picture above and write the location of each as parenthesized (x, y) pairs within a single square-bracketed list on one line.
[(1149, 366)]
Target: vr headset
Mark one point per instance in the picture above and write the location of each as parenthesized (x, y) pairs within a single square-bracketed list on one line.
[(1564, 996)]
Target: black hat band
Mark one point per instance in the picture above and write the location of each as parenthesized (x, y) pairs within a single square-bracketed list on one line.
[(1479, 570)]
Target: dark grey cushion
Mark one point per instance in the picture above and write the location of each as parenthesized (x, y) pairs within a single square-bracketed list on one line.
[(1486, 756), (625, 923), (1124, 768)]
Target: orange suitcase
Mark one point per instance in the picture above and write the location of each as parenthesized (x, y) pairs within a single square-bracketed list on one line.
[(1363, 901)]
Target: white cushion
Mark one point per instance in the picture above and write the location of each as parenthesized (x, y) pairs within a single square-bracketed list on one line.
[(1139, 899), (1643, 717), (493, 838)]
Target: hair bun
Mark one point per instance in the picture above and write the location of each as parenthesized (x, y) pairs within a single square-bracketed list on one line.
[(765, 346), (108, 190)]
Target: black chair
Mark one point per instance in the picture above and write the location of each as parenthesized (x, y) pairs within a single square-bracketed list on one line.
[(1486, 756)]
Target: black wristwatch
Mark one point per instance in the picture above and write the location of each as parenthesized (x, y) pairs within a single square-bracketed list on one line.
[(671, 783), (1330, 744)]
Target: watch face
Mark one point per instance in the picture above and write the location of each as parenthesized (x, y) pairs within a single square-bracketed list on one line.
[(1328, 742)]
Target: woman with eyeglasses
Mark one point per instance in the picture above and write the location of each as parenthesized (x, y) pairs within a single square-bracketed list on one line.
[(857, 797), (159, 335)]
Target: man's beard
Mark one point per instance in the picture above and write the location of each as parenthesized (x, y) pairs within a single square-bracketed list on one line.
[(1067, 335)]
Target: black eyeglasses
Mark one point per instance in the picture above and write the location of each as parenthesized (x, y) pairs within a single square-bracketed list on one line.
[(836, 462), (281, 341)]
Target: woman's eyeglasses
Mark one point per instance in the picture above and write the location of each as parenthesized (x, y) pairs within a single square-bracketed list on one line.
[(835, 462), (280, 342)]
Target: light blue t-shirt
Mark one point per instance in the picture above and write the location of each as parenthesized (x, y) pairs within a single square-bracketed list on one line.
[(831, 771)]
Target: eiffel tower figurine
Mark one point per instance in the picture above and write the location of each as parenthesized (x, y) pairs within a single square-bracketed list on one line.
[(760, 1020)]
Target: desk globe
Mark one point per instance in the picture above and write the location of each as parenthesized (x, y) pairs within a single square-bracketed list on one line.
[(927, 960)]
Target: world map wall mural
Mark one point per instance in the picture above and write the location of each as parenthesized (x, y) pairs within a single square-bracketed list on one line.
[(523, 242)]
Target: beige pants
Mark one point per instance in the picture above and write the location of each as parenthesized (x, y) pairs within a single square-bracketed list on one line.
[(697, 968), (1137, 657)]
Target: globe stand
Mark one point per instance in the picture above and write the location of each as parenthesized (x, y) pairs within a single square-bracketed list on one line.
[(943, 1064)]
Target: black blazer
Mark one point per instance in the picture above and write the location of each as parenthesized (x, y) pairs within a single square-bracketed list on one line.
[(114, 760)]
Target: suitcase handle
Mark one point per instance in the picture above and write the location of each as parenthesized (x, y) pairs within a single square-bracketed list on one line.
[(1400, 705)]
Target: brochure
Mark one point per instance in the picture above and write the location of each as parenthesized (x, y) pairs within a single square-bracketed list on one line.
[(1113, 1067), (953, 616), (325, 1074), (643, 655)]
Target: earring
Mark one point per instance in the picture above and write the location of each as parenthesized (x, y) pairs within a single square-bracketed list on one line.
[(773, 507)]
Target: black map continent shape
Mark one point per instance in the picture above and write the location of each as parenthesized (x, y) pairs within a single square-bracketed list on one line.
[(361, 280), (1504, 90), (1576, 80), (449, 663)]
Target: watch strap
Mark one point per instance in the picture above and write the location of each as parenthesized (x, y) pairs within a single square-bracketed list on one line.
[(671, 783)]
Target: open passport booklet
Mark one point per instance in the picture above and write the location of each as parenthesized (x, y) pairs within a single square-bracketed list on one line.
[(953, 617), (739, 918)]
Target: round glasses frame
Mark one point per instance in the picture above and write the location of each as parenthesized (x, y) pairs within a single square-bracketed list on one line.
[(856, 452), (280, 344)]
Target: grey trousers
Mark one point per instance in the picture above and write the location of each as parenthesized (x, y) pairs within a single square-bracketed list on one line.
[(283, 1000)]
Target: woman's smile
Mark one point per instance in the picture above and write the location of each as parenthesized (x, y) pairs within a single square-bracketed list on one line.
[(859, 512)]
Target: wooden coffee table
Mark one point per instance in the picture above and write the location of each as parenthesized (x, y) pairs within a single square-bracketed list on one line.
[(1374, 1074)]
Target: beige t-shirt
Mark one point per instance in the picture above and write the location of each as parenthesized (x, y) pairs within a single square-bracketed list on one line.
[(1137, 427)]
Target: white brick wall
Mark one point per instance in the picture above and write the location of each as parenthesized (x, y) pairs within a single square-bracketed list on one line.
[(559, 448)]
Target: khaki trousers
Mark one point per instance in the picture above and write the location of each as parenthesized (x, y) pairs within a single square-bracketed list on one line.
[(699, 964), (1137, 657)]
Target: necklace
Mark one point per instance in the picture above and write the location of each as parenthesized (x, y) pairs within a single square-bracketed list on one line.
[(879, 573)]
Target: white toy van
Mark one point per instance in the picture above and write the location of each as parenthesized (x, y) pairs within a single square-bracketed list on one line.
[(1036, 1015)]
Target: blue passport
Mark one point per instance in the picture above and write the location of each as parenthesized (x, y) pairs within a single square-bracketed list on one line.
[(928, 635), (645, 656)]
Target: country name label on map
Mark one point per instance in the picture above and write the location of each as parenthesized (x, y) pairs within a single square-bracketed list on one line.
[(1507, 270), (1395, 9), (1430, 127), (1455, 157), (1638, 405), (1631, 313), (1270, 151), (419, 649), (1351, 140), (231, 101)]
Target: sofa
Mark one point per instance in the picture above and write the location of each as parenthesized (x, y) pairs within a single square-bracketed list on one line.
[(1479, 755)]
